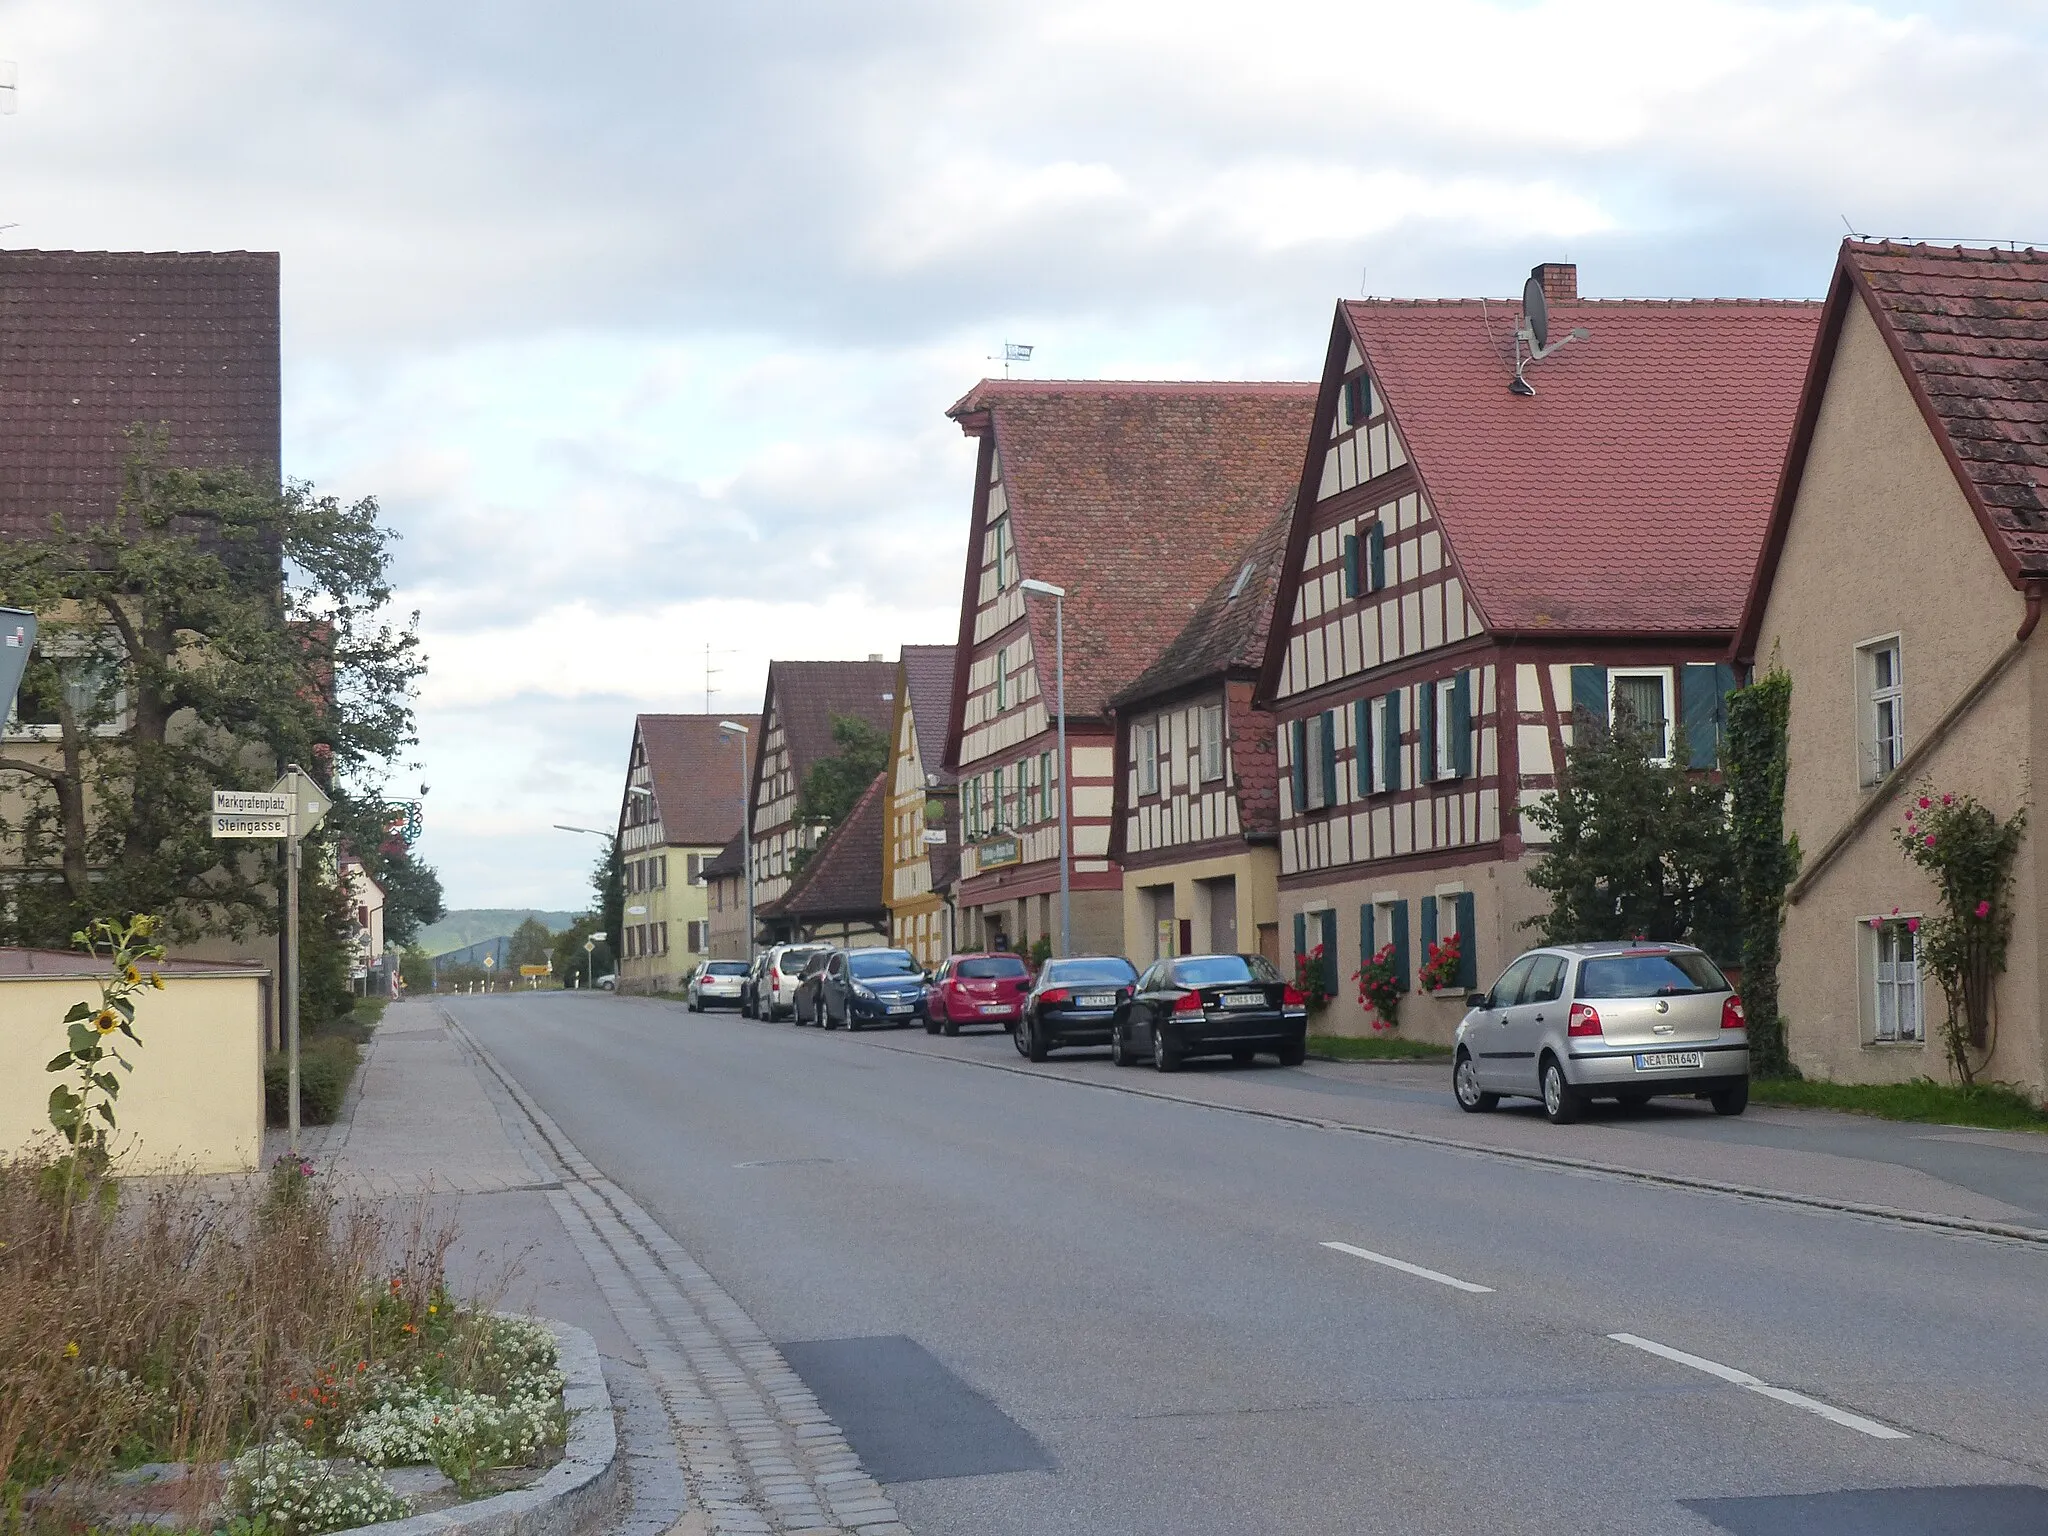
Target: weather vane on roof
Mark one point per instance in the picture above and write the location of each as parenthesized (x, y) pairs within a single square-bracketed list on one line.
[(1013, 352)]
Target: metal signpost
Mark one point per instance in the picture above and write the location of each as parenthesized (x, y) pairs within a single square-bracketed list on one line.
[(288, 810)]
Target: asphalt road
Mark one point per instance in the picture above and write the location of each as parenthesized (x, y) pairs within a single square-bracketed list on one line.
[(1134, 1304)]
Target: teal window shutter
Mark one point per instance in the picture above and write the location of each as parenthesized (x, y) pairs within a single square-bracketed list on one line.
[(1399, 938), (1589, 692), (1461, 725), (1358, 399), (1390, 746), (1425, 725), (1329, 942), (1329, 757), (1300, 933), (1468, 942), (1376, 552), (1352, 571), (1429, 905), (1298, 730), (1366, 947), (1361, 744), (1699, 712)]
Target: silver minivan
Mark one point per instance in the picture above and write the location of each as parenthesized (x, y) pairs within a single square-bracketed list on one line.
[(1625, 1020)]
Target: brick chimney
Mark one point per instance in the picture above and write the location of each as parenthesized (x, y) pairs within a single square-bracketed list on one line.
[(1560, 281)]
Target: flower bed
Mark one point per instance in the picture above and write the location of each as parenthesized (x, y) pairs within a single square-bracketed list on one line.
[(271, 1350)]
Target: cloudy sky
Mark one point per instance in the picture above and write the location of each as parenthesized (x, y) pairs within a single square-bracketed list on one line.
[(641, 318)]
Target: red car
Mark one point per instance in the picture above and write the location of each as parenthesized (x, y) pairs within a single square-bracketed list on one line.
[(976, 989)]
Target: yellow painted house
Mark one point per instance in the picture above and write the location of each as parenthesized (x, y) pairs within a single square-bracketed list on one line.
[(919, 872), (682, 804)]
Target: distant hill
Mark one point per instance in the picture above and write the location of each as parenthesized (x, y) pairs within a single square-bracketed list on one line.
[(472, 923)]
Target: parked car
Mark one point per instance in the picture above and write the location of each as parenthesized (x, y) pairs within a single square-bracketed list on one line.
[(871, 986), (716, 982), (1212, 1005), (776, 975), (977, 989), (803, 995), (1075, 1001), (1622, 1020)]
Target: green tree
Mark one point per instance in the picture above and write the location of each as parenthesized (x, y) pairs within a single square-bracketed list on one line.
[(608, 879), (531, 944), (412, 896), (416, 969), (1759, 721), (215, 628), (834, 783), (1637, 848), (568, 950)]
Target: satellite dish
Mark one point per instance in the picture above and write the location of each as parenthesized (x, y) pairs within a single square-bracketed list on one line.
[(1535, 312)]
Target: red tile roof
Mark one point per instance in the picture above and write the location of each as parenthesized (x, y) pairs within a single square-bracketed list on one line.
[(92, 342), (928, 680), (844, 877), (1227, 632), (1630, 493), (695, 770), (806, 695), (1135, 497), (729, 860)]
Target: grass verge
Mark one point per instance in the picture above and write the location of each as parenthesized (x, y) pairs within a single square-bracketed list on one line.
[(1988, 1106), (1374, 1048)]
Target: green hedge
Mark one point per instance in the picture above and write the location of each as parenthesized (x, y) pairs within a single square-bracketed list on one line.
[(327, 1064)]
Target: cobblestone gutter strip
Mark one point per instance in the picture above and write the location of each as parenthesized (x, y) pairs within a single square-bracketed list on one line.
[(2003, 1231), (758, 1454), (571, 1497)]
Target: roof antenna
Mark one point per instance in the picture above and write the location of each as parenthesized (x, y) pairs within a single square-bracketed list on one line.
[(1013, 352), (1535, 331), (1854, 232)]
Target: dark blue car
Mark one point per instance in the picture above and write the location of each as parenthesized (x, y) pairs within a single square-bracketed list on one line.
[(871, 986)]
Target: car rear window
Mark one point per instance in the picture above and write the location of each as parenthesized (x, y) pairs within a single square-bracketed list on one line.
[(1119, 971), (1678, 974), (992, 968), (726, 968), (794, 959), (882, 962), (815, 963), (1209, 970)]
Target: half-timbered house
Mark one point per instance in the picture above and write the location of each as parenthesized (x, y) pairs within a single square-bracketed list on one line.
[(680, 805), (923, 856), (1472, 568), (1197, 824), (836, 898), (1134, 498), (797, 711)]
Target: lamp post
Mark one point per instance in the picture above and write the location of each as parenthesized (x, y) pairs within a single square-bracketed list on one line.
[(563, 826), (746, 832), (1059, 630)]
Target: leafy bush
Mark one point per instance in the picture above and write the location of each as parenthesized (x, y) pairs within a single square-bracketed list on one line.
[(327, 1065)]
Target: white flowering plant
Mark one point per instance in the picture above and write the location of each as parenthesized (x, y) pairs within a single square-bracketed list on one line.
[(290, 1491)]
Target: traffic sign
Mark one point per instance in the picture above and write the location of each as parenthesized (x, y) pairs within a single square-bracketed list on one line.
[(17, 639), (309, 804), (249, 826), (489, 961), (250, 802), (536, 970)]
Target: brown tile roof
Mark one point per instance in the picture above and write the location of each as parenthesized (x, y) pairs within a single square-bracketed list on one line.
[(728, 860), (92, 342), (1968, 328), (807, 694), (1227, 631), (1629, 494), (928, 680), (844, 877), (1132, 496), (695, 770)]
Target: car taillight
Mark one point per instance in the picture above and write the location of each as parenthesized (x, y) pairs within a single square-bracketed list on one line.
[(1293, 997), (1583, 1020), (1054, 995), (1732, 1016), (774, 978), (1190, 1002)]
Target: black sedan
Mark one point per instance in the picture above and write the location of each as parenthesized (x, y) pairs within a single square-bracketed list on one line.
[(807, 1007), (1076, 1001), (1212, 1005), (871, 986)]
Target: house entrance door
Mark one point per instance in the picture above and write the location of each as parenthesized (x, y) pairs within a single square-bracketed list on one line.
[(1222, 915)]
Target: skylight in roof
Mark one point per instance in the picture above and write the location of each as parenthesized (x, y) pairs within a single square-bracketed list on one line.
[(1243, 577)]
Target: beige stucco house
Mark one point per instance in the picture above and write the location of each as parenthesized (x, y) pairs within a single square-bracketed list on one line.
[(682, 803), (1900, 587)]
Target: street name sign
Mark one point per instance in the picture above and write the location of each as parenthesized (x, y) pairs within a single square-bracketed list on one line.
[(251, 802), (234, 824)]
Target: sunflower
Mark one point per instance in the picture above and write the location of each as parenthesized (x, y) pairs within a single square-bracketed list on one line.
[(106, 1021), (133, 976)]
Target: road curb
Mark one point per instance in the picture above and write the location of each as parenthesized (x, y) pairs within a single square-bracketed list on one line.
[(573, 1495), (1963, 1225)]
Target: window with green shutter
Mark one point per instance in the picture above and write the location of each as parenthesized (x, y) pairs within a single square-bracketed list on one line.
[(1426, 724), (1397, 933), (1367, 948), (1589, 693), (1300, 937), (1361, 745), (1353, 565), (1703, 689), (1376, 556), (1461, 725), (1468, 941), (1390, 741), (1297, 741), (1329, 943), (1329, 757)]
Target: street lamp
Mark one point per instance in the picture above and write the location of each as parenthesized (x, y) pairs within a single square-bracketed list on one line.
[(746, 832), (1059, 630), (588, 944)]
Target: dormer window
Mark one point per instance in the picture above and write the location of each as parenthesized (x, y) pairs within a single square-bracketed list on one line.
[(1357, 400)]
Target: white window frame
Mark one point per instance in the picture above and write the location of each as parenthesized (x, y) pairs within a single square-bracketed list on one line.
[(1446, 764), (1376, 770), (1028, 808), (1209, 757), (1049, 784), (1145, 755), (62, 648), (1662, 677), (1318, 794), (1895, 988), (1879, 750)]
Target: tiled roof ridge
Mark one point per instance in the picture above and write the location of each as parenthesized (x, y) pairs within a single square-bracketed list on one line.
[(1279, 388), (840, 845), (1640, 302), (1983, 250)]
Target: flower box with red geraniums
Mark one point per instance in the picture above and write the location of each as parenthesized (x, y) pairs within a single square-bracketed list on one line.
[(1441, 966), (1379, 989)]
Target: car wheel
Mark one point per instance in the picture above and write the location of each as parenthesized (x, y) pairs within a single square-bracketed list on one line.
[(1561, 1101), (1732, 1101), (690, 1006), (1120, 1048), (1021, 1038), (1165, 1058), (946, 1025), (931, 1024), (846, 1020), (1294, 1052), (1034, 1045), (1473, 1099)]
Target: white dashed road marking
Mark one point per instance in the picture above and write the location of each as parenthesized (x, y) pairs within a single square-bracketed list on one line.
[(1749, 1383), (1413, 1269)]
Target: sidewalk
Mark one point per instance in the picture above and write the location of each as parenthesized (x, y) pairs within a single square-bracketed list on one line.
[(718, 1434)]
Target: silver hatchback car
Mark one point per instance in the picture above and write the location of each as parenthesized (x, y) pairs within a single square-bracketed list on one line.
[(1626, 1020)]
